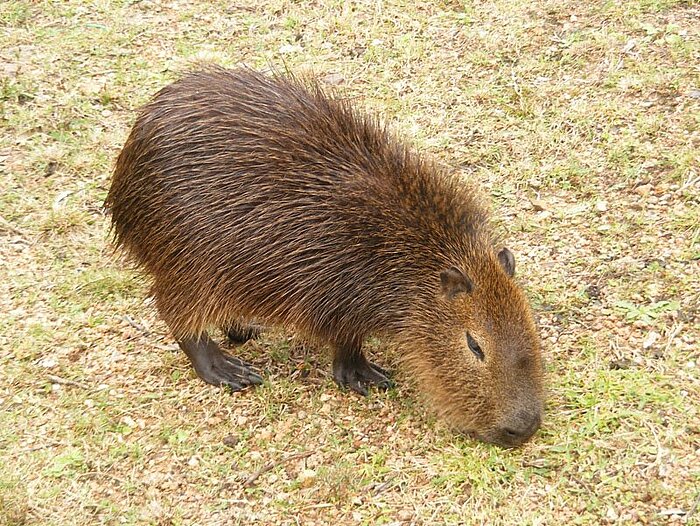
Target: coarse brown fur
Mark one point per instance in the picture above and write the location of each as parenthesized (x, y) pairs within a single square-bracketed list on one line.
[(255, 197)]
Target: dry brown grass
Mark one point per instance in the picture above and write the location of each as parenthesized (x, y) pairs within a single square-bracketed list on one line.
[(581, 119)]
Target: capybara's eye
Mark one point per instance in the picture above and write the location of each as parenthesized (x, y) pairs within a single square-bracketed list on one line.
[(474, 347)]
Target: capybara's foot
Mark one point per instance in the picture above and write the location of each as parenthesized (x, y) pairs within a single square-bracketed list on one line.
[(357, 373), (229, 371), (216, 367)]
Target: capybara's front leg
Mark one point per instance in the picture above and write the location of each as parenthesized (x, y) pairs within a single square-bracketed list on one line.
[(352, 370)]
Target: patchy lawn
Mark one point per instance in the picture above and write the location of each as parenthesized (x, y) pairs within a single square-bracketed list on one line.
[(582, 122)]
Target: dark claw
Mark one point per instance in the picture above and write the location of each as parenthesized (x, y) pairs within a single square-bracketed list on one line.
[(382, 372), (243, 370), (386, 385), (357, 374), (357, 387), (232, 386)]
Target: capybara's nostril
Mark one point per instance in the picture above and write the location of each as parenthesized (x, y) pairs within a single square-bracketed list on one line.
[(520, 428), (513, 434)]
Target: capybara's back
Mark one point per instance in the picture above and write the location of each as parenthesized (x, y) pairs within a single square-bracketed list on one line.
[(254, 197)]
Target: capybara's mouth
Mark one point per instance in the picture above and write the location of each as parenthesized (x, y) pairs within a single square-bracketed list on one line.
[(497, 438)]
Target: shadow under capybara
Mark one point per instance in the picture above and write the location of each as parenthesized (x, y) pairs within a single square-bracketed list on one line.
[(247, 196)]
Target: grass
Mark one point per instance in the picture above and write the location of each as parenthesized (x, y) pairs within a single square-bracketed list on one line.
[(590, 110)]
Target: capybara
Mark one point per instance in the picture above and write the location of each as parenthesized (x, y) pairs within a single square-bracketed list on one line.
[(247, 196)]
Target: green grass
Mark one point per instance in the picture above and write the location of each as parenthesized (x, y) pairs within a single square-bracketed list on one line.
[(589, 109)]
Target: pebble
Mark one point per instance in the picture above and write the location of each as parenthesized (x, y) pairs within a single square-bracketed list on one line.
[(651, 339), (538, 205), (643, 190), (405, 515), (47, 363), (265, 434), (334, 79), (289, 48), (306, 478), (230, 440)]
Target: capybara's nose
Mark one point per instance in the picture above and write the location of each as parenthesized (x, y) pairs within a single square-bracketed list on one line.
[(519, 428)]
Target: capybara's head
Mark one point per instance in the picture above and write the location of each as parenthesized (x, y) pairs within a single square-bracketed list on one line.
[(480, 359)]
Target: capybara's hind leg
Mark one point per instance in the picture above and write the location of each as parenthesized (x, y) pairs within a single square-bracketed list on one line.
[(353, 371), (239, 333), (216, 367)]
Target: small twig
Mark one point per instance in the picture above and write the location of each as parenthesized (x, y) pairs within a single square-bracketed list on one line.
[(31, 449), (4, 223), (689, 182), (319, 506), (91, 474), (674, 332), (273, 464), (63, 381), (584, 485), (136, 325), (692, 510), (659, 449), (383, 486)]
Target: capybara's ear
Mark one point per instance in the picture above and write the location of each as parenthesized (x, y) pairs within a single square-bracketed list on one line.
[(454, 282), (506, 258)]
